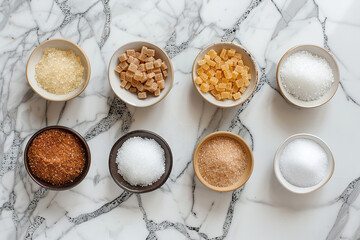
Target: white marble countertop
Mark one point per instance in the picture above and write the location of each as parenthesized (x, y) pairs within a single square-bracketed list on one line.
[(183, 208)]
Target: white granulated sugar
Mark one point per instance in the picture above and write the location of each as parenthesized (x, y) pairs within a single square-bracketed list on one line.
[(303, 163), (141, 161), (306, 76)]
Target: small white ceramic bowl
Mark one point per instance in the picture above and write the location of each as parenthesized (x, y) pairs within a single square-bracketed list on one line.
[(132, 98), (302, 190), (34, 58), (321, 52), (248, 61)]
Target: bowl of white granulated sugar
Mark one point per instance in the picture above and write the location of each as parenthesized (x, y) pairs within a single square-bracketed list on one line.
[(140, 161), (303, 163), (308, 76)]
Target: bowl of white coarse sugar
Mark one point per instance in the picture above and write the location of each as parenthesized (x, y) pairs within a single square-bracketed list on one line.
[(140, 161), (308, 76)]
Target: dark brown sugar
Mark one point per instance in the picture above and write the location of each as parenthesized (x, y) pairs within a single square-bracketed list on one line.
[(56, 156)]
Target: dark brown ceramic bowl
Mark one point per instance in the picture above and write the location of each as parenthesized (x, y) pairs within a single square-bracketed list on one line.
[(65, 186), (113, 167)]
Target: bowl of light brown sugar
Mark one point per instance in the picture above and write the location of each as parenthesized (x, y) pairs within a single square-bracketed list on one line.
[(223, 161)]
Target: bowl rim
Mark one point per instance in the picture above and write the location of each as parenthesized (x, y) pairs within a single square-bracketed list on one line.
[(77, 180), (277, 155), (157, 48), (220, 134), (336, 78), (87, 62), (168, 161), (193, 72)]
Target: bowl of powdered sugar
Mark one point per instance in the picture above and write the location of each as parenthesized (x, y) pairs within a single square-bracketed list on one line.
[(140, 161), (303, 163), (308, 76)]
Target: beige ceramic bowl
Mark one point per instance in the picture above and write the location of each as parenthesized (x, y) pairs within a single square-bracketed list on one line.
[(248, 60), (250, 164), (302, 190), (321, 52), (131, 98), (34, 58)]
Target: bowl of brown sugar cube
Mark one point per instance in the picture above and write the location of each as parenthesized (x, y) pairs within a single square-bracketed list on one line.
[(225, 74), (140, 73)]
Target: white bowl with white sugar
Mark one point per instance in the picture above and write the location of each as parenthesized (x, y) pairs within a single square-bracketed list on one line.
[(303, 163), (308, 76)]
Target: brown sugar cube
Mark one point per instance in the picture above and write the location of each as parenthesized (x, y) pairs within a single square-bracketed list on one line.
[(150, 52), (142, 57), (142, 95), (136, 62), (198, 80), (231, 52), (138, 75), (158, 77), (141, 67), (132, 89), (141, 77), (151, 75), (161, 84), (149, 59), (118, 69), (157, 92), (238, 55), (165, 73), (132, 67), (157, 70), (149, 65), (153, 87), (205, 67), (163, 66), (144, 78), (137, 54), (123, 83), (127, 86), (143, 50), (130, 59), (199, 71), (223, 53), (149, 82), (134, 82), (129, 76), (122, 75), (236, 96), (124, 65), (157, 63), (123, 57), (130, 52), (140, 87), (217, 59), (212, 53)]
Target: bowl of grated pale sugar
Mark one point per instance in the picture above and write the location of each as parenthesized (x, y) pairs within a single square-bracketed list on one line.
[(308, 76), (303, 163)]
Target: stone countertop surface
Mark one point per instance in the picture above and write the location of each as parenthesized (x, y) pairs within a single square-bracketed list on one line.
[(183, 208)]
